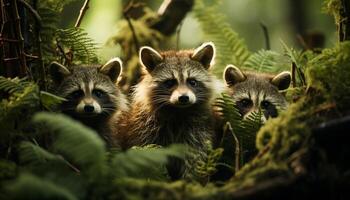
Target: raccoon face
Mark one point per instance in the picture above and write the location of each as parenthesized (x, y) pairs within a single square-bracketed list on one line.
[(89, 90), (253, 92), (178, 79)]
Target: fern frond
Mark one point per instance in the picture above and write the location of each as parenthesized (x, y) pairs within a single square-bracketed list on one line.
[(76, 142), (205, 168), (266, 61), (49, 100), (146, 162), (228, 109), (12, 85), (23, 97), (34, 154), (77, 40), (28, 186), (294, 55), (244, 129), (50, 20), (231, 49)]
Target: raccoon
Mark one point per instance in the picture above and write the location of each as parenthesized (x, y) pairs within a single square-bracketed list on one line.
[(251, 91), (172, 103), (91, 94)]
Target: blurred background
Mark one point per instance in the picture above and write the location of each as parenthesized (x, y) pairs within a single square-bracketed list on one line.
[(284, 19)]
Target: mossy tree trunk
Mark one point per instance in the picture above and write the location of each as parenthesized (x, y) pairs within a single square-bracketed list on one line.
[(344, 22)]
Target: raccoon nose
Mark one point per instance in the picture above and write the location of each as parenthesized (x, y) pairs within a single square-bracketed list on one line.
[(89, 108), (184, 99)]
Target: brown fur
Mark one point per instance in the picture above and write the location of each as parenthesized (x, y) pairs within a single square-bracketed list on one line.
[(151, 122), (80, 85)]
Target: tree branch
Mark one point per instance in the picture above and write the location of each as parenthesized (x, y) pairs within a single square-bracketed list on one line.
[(266, 35), (126, 11), (171, 13), (344, 23), (82, 13)]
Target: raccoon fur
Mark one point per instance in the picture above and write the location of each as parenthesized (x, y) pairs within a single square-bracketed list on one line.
[(92, 96), (253, 91), (172, 103)]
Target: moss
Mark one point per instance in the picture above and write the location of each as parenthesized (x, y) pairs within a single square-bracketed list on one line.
[(8, 169), (329, 74), (143, 189)]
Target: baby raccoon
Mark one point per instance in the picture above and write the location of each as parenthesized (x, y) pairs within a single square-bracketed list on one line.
[(251, 91), (172, 103), (91, 94)]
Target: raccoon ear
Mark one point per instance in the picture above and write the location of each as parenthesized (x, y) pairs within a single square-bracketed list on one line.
[(205, 54), (112, 68), (282, 80), (232, 75), (58, 72), (149, 58)]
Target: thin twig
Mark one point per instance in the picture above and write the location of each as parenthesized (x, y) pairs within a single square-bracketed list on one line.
[(24, 70), (32, 10), (9, 40), (302, 42), (293, 74), (42, 70), (126, 15), (60, 48), (266, 35), (178, 31), (82, 13), (228, 129)]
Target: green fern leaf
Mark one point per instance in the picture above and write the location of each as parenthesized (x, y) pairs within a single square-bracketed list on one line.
[(146, 162), (49, 100), (76, 142), (77, 40), (28, 186), (267, 61), (231, 49), (244, 129)]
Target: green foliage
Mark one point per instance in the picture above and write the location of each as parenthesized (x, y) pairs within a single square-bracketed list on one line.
[(243, 131), (266, 61), (76, 40), (69, 46), (77, 143), (329, 74), (125, 38), (77, 161), (231, 49), (205, 168), (144, 162), (21, 99), (28, 186)]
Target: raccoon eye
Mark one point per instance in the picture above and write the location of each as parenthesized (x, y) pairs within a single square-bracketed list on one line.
[(97, 93), (192, 82), (170, 83), (246, 103), (265, 104), (77, 94)]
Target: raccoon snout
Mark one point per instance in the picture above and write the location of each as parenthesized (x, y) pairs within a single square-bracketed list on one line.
[(183, 99), (89, 108)]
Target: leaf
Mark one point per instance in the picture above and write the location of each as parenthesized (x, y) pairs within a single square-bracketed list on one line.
[(49, 100), (267, 61), (145, 162), (76, 142), (28, 186), (230, 48)]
